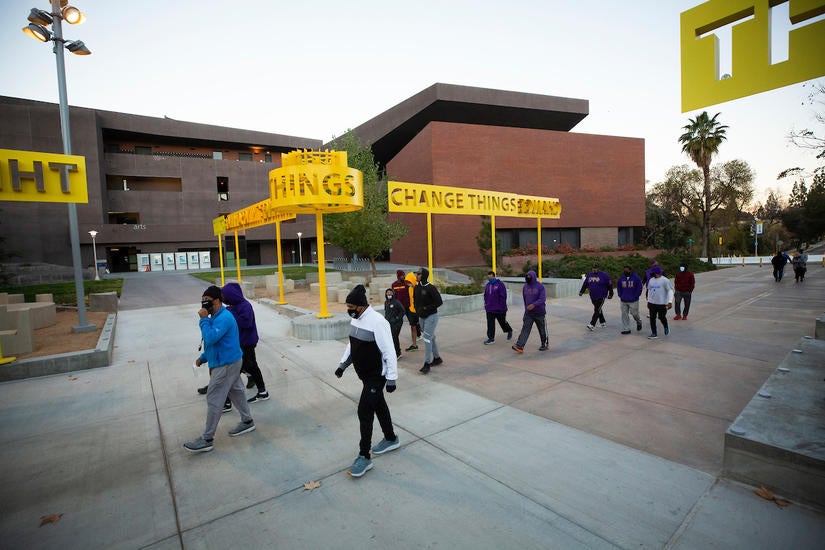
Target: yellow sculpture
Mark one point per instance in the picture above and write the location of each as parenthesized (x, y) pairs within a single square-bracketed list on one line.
[(752, 71)]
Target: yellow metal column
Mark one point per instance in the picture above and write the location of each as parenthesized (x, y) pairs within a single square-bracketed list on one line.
[(493, 238), (237, 257), (220, 255), (430, 243), (538, 246), (4, 360), (280, 264), (322, 272)]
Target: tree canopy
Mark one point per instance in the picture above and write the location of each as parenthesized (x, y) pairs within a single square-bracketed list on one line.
[(701, 140), (367, 232)]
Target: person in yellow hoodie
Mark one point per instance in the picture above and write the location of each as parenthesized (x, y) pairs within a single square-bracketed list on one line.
[(412, 316)]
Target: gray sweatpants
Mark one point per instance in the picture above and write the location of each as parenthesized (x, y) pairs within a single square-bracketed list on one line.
[(428, 325), (224, 380), (628, 309)]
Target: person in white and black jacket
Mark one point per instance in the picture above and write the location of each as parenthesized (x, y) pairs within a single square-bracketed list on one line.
[(427, 300), (371, 351)]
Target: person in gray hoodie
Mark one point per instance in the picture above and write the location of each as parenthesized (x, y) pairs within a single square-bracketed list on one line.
[(534, 312), (427, 300)]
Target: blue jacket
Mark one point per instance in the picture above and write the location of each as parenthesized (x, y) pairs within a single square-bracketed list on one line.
[(629, 287), (220, 338), (599, 284), (242, 311), (495, 296), (533, 293)]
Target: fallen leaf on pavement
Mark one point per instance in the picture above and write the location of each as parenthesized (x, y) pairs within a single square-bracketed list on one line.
[(767, 494), (51, 518), (73, 378), (310, 485), (764, 493)]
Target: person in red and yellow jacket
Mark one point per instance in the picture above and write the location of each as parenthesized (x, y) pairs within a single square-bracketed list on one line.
[(412, 316), (685, 283)]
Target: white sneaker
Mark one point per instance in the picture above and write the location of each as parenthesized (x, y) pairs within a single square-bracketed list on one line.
[(590, 327)]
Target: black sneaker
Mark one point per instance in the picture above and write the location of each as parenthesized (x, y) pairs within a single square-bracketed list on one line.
[(638, 326), (436, 361), (249, 383), (260, 396), (202, 390), (425, 369), (412, 348), (227, 407), (544, 347)]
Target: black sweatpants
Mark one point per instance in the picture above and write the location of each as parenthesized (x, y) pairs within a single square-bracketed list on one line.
[(250, 367), (372, 403), (502, 322), (597, 312), (657, 310)]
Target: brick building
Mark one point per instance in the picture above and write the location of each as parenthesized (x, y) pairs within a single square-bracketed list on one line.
[(153, 182)]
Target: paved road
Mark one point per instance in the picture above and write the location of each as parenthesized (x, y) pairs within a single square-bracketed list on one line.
[(607, 441)]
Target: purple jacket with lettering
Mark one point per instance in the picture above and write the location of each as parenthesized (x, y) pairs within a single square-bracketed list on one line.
[(599, 284), (495, 296), (533, 293)]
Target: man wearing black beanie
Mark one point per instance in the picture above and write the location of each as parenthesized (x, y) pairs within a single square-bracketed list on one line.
[(372, 352)]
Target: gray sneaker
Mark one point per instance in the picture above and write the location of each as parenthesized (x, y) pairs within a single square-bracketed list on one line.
[(386, 446), (200, 445), (242, 428), (361, 466)]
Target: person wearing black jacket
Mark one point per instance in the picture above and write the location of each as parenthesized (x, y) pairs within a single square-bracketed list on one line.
[(427, 300), (394, 312), (370, 351)]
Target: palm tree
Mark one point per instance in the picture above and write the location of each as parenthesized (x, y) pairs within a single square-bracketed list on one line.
[(701, 141)]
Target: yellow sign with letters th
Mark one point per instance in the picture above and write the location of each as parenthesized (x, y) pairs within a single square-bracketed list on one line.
[(30, 176), (752, 71), (316, 181), (439, 199), (256, 215)]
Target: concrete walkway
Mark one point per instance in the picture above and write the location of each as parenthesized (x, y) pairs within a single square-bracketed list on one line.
[(606, 441)]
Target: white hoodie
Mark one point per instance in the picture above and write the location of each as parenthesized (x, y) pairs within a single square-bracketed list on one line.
[(659, 291)]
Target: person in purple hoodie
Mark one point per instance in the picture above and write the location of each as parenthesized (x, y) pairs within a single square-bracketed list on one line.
[(495, 304), (600, 286), (242, 310), (534, 312)]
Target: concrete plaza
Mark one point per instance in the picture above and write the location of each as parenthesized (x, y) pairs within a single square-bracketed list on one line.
[(606, 441)]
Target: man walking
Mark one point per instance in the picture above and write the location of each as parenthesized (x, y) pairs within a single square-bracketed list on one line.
[(800, 266), (534, 313), (402, 287), (427, 300), (659, 300), (222, 352), (779, 262), (495, 305), (685, 283), (370, 349), (629, 289), (241, 310), (600, 286)]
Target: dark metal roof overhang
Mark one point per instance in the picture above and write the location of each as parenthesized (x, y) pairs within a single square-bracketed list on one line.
[(390, 131)]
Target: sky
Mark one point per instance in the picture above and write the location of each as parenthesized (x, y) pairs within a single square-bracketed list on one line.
[(316, 69)]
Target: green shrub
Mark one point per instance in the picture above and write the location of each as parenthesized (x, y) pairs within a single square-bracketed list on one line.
[(464, 290)]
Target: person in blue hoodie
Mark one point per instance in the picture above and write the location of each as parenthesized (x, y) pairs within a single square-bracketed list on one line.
[(495, 305), (244, 315), (629, 289), (600, 286), (534, 312), (222, 352)]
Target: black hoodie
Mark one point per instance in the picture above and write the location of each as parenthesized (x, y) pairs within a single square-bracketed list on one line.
[(426, 297)]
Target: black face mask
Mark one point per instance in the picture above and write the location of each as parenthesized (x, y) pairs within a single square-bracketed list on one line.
[(353, 313), (207, 305), (528, 279)]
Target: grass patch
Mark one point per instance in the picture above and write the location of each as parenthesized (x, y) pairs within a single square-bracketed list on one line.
[(291, 272), (64, 293)]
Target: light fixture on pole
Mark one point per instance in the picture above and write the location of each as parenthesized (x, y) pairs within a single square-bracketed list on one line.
[(300, 255), (93, 233), (39, 20)]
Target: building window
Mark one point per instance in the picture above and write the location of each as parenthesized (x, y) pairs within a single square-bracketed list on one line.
[(143, 150), (245, 156), (268, 157), (217, 155)]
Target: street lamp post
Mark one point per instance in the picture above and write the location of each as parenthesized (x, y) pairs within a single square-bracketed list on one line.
[(300, 255), (93, 233), (36, 29)]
